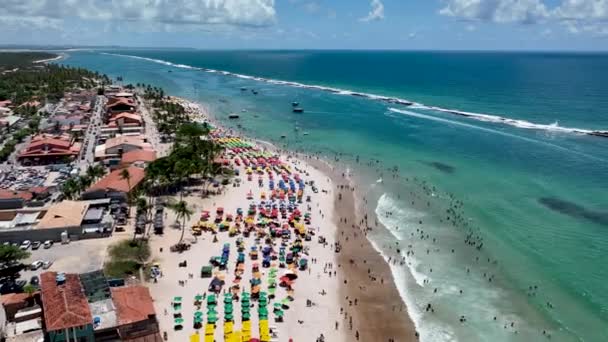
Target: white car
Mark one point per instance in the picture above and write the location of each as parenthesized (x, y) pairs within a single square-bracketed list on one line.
[(47, 264), (36, 265), (47, 244), (25, 244)]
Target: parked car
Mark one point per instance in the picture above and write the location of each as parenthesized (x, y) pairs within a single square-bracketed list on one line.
[(35, 281), (36, 245), (36, 265), (47, 264), (25, 245), (48, 244)]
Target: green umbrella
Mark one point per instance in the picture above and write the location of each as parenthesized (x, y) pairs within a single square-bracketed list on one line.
[(279, 313), (198, 298), (177, 299), (246, 316), (198, 313), (178, 320), (228, 317), (198, 319), (211, 312)]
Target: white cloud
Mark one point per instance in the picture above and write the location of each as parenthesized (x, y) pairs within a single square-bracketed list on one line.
[(174, 12), (584, 16), (376, 13), (582, 10), (500, 11)]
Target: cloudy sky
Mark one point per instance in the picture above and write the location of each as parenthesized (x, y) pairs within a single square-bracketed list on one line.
[(300, 24)]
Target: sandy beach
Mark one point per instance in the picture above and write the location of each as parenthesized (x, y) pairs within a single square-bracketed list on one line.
[(342, 296)]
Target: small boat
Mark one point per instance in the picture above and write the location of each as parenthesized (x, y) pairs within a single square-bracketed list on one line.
[(283, 136), (169, 70), (243, 110), (233, 116), (305, 133), (298, 110), (255, 92), (243, 89), (295, 104)]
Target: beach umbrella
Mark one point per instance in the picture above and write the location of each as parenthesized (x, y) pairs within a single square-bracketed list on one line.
[(177, 299), (178, 320), (198, 297)]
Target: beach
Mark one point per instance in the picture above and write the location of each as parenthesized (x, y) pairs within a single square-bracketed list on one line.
[(342, 296), (483, 205)]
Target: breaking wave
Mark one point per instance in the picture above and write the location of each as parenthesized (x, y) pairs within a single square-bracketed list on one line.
[(391, 100)]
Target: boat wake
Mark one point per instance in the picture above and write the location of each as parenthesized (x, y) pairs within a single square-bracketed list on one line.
[(391, 100)]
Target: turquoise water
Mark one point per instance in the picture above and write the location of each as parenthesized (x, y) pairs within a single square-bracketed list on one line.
[(536, 198)]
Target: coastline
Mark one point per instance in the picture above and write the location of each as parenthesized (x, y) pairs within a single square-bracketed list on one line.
[(59, 57), (381, 310), (370, 316)]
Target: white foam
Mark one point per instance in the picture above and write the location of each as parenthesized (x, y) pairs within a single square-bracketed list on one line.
[(489, 130), (393, 100)]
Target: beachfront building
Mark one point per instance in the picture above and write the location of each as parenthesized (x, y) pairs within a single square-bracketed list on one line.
[(97, 309), (49, 149), (115, 147), (122, 124), (67, 316), (114, 186), (64, 220), (139, 158), (120, 104)]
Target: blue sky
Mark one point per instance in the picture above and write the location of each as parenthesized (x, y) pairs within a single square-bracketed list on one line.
[(316, 24)]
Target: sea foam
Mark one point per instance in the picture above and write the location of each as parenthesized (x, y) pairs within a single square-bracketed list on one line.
[(388, 99)]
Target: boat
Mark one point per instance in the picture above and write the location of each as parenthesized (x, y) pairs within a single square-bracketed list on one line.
[(243, 89), (169, 70), (255, 92), (233, 116), (283, 136), (295, 104), (305, 133), (298, 110)]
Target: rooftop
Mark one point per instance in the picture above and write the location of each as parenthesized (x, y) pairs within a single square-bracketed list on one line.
[(114, 181), (133, 304), (65, 305), (64, 214), (139, 155)]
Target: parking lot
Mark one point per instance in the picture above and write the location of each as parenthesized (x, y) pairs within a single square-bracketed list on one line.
[(75, 257)]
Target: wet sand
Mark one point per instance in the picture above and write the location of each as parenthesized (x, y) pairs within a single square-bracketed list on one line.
[(379, 314)]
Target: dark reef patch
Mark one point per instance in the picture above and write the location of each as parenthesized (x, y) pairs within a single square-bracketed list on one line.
[(441, 166), (574, 210)]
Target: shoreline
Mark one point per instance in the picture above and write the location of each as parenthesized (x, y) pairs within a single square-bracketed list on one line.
[(369, 316), (59, 57)]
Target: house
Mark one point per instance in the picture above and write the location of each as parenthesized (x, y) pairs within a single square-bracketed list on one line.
[(11, 199), (15, 302), (64, 215), (121, 119), (113, 185), (48, 149), (138, 158), (117, 146), (120, 104), (135, 313), (67, 316)]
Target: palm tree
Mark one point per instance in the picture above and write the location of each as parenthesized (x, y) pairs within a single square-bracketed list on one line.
[(95, 171), (181, 212), (125, 175)]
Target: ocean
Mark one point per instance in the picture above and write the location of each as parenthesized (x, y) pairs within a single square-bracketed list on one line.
[(478, 164)]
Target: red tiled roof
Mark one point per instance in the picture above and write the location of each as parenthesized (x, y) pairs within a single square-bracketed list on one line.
[(114, 181), (14, 298), (120, 100), (139, 155), (126, 115), (65, 306), (10, 194), (133, 304)]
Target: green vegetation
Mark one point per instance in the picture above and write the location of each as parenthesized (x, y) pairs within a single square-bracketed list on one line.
[(183, 213), (12, 254), (126, 258), (11, 60), (74, 186)]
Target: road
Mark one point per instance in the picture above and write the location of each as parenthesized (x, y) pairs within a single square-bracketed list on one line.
[(87, 153)]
